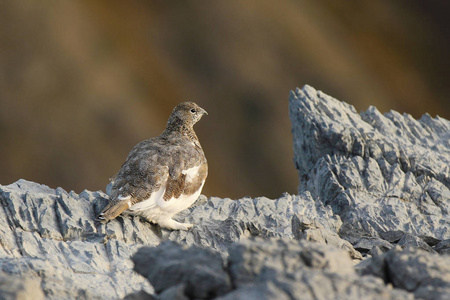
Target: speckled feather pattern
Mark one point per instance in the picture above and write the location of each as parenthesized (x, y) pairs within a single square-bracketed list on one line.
[(155, 162), (161, 163)]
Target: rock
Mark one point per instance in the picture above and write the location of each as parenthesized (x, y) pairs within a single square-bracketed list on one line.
[(311, 230), (221, 222), (425, 274), (376, 250), (366, 244), (53, 232), (366, 180), (409, 240), (174, 293), (264, 291), (378, 172), (256, 260), (431, 241), (443, 247), (274, 268), (199, 271), (373, 266), (20, 288), (351, 233), (141, 295), (392, 236)]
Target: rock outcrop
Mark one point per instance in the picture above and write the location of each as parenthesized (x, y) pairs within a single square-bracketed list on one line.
[(371, 219), (379, 173), (260, 269), (420, 272), (51, 235)]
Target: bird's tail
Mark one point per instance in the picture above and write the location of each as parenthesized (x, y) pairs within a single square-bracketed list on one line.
[(113, 209)]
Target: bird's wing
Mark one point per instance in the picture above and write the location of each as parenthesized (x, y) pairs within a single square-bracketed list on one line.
[(154, 174), (141, 178)]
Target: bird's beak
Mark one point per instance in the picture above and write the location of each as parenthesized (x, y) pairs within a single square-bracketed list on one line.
[(204, 112)]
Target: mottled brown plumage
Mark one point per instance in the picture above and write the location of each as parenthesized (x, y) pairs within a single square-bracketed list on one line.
[(162, 175)]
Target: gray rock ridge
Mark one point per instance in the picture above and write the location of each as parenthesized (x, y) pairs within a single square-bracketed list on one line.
[(73, 257), (199, 272), (379, 173), (257, 268), (412, 269), (51, 236), (15, 287), (221, 222)]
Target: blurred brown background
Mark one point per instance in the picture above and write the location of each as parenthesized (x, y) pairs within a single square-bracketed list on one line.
[(81, 82)]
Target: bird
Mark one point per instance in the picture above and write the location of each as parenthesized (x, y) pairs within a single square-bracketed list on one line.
[(163, 175)]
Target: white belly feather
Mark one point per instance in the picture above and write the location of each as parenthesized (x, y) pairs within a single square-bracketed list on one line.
[(155, 206)]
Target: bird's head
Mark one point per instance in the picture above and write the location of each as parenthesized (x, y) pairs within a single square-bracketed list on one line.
[(187, 113)]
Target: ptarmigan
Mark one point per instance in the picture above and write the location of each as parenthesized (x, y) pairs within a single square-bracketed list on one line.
[(162, 175)]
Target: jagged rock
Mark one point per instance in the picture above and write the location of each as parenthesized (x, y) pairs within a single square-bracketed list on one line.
[(141, 295), (198, 272), (425, 274), (261, 269), (352, 233), (311, 230), (376, 250), (20, 288), (173, 293), (264, 291), (392, 236), (53, 233), (259, 260), (409, 240), (221, 222), (378, 172), (367, 244), (431, 241), (366, 181), (443, 247)]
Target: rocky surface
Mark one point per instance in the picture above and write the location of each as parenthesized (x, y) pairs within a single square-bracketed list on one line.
[(197, 272), (412, 269), (371, 219), (379, 173), (17, 287), (51, 235), (260, 269)]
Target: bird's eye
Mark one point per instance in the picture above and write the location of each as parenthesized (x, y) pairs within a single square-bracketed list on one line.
[(193, 110)]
